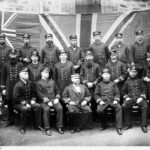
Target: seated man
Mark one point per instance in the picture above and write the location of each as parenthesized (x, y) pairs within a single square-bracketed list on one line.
[(77, 97), (25, 101), (49, 96), (134, 93), (107, 94)]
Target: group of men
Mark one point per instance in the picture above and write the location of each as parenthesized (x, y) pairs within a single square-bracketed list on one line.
[(81, 83)]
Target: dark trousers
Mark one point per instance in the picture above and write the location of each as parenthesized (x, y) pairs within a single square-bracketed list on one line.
[(102, 114), (46, 115), (10, 111), (24, 112), (127, 105)]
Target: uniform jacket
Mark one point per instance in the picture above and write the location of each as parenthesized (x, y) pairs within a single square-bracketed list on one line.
[(47, 89), (23, 92), (70, 94), (25, 52), (100, 52), (92, 74), (123, 53), (10, 76), (35, 71), (139, 53), (4, 55), (134, 88), (107, 92), (75, 56), (50, 55), (117, 69), (62, 74)]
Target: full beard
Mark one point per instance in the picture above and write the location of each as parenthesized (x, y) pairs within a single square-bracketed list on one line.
[(49, 43), (89, 64)]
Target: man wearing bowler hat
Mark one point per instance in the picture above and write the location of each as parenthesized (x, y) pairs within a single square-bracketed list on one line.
[(50, 52), (24, 53), (75, 53), (99, 50)]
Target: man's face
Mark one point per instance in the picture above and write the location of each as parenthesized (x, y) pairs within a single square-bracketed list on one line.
[(132, 73), (119, 39), (73, 42), (63, 57), (113, 56), (45, 74), (26, 40), (97, 38), (2, 41), (34, 58), (24, 75), (76, 81), (139, 37), (106, 76)]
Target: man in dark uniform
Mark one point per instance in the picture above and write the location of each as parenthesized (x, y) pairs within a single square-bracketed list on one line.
[(117, 69), (24, 53), (25, 101), (63, 71), (123, 52), (10, 76), (134, 93), (50, 53), (99, 50), (139, 50), (75, 53), (49, 96), (107, 95), (76, 96), (90, 75)]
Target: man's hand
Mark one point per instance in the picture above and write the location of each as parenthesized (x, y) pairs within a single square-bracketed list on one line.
[(56, 101), (26, 59), (32, 102), (128, 99), (28, 106), (147, 79), (23, 102), (139, 100), (45, 99), (72, 103), (115, 102), (90, 84), (83, 103), (76, 67), (4, 92), (116, 81), (101, 103), (50, 104)]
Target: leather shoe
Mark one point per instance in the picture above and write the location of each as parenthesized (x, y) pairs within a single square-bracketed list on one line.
[(78, 129), (22, 131), (48, 132), (144, 129), (39, 128), (126, 128), (102, 128), (8, 124), (119, 131), (73, 130), (60, 131)]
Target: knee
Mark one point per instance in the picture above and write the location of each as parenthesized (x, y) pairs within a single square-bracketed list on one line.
[(46, 109)]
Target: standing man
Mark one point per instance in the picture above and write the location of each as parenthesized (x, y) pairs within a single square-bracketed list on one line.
[(90, 75), (99, 50), (77, 97), (49, 53), (63, 71), (49, 96), (25, 101), (134, 93), (75, 53), (24, 53), (107, 94), (10, 76), (123, 52), (139, 50)]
